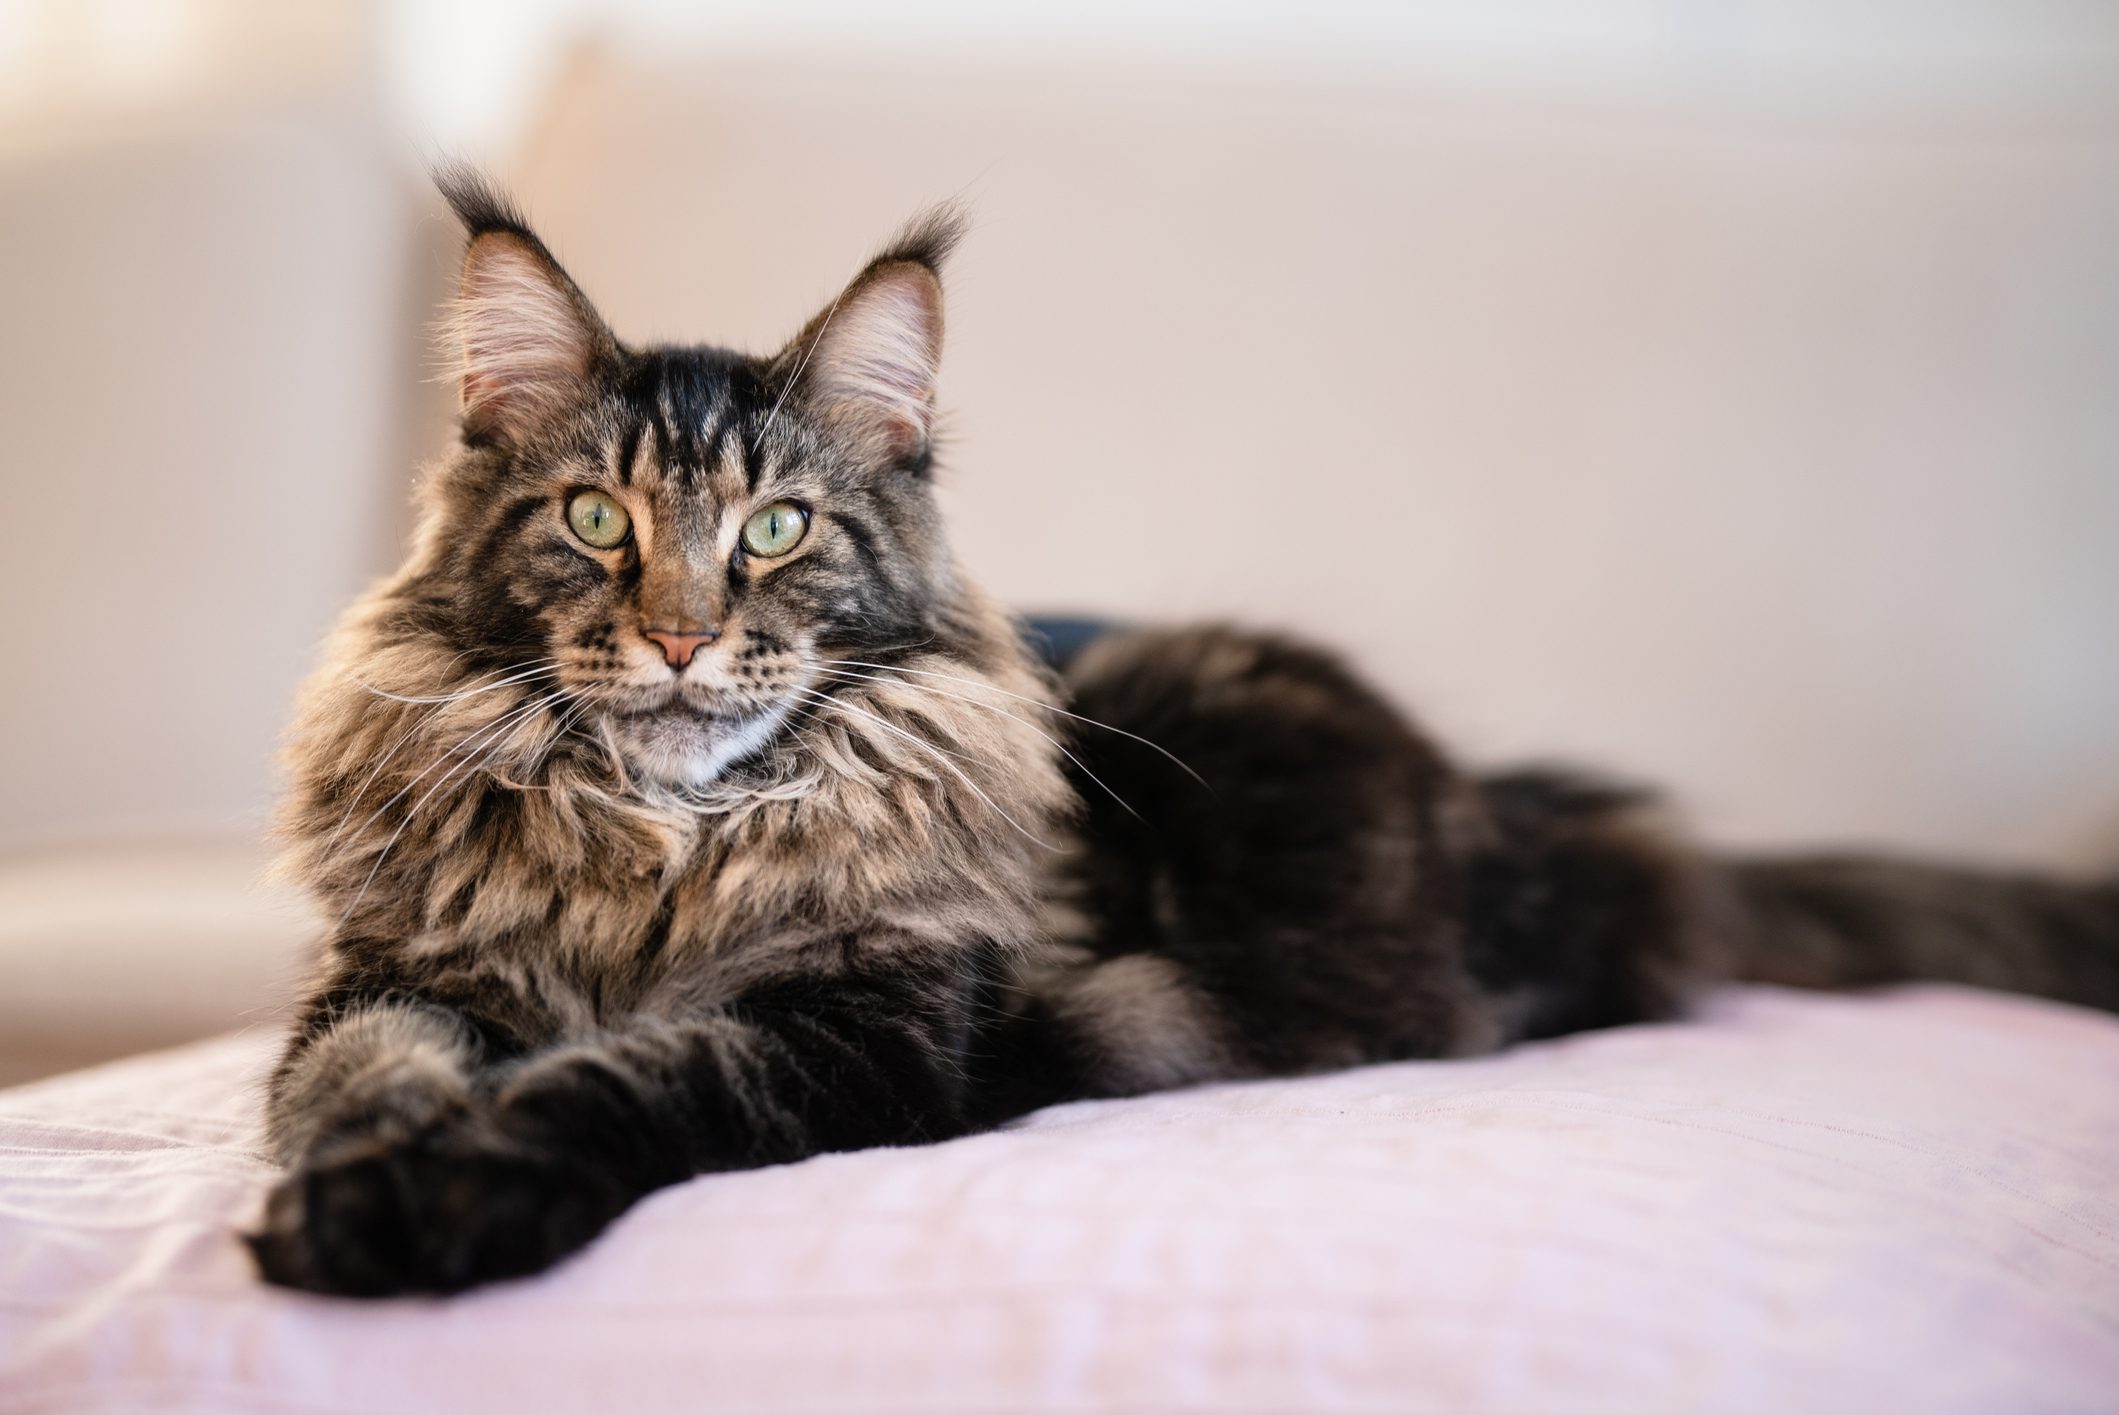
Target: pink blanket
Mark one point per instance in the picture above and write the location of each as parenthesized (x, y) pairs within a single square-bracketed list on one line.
[(1900, 1202)]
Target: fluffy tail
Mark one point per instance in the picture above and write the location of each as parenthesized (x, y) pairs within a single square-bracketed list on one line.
[(1846, 922)]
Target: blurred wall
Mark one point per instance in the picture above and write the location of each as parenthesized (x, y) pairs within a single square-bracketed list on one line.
[(204, 328), (212, 354)]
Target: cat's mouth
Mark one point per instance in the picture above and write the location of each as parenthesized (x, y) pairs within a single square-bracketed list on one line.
[(681, 742), (679, 708), (677, 701)]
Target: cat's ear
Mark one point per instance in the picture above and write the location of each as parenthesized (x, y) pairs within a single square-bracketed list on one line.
[(867, 365), (526, 340)]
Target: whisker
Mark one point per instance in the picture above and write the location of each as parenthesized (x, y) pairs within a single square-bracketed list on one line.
[(519, 716), (930, 745), (810, 738), (1172, 757), (407, 735), (506, 725), (515, 713), (560, 729), (1012, 717), (535, 668), (938, 754), (795, 377)]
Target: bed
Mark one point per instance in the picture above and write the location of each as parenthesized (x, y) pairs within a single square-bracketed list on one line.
[(1901, 1201)]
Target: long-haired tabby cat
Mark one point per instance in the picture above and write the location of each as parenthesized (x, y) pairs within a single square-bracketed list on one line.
[(681, 806)]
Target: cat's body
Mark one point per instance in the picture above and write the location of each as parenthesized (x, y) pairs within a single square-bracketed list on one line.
[(681, 807)]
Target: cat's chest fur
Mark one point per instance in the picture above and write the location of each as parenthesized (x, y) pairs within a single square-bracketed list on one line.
[(648, 895)]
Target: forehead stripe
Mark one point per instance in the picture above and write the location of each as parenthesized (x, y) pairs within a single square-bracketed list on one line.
[(717, 441), (628, 451), (659, 439), (746, 461)]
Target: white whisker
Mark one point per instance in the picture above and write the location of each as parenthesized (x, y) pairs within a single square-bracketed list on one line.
[(1012, 717), (514, 713), (939, 755), (795, 377), (512, 722), (535, 668), (1173, 758), (407, 735)]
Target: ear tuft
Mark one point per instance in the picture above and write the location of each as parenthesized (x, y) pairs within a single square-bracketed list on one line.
[(478, 204), (869, 363), (526, 338), (928, 239)]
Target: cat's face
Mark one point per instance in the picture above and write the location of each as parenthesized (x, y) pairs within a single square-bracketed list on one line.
[(681, 541)]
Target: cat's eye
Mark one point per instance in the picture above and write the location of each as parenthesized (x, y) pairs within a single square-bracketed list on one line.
[(598, 520), (775, 529)]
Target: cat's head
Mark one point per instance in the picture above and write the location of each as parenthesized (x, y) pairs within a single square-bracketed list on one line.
[(679, 537)]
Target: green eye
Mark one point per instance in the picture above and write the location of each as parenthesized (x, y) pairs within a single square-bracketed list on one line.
[(775, 529), (598, 520)]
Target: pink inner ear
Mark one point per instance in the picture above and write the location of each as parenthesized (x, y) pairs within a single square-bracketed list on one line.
[(525, 342), (876, 359)]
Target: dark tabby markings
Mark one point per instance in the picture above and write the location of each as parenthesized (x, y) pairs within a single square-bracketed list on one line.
[(601, 927)]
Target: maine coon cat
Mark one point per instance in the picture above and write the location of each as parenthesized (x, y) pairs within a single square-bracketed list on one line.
[(680, 806)]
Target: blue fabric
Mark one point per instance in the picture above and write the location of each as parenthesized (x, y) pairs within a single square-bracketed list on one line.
[(1059, 637)]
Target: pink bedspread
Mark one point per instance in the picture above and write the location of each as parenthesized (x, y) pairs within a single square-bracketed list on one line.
[(1900, 1202)]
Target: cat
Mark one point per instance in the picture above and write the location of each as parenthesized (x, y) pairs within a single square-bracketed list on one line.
[(680, 806)]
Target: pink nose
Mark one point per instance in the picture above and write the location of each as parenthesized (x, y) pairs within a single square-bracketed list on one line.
[(678, 647)]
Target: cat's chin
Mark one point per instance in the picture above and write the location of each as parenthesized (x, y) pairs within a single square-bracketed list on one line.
[(687, 749)]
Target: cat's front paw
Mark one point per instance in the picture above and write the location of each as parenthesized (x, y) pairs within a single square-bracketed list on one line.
[(451, 1207)]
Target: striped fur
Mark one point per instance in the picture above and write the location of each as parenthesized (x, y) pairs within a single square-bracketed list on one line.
[(852, 874), (739, 912)]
